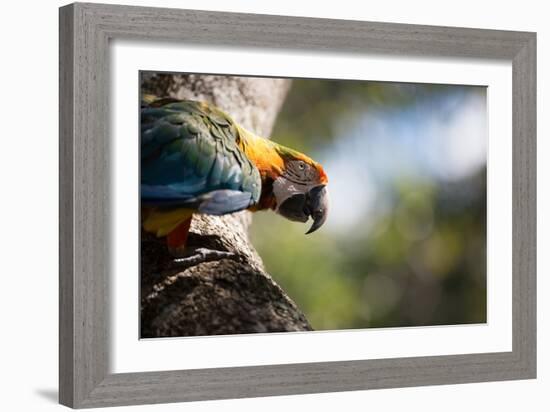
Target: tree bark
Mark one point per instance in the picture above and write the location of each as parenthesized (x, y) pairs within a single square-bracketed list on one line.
[(224, 295)]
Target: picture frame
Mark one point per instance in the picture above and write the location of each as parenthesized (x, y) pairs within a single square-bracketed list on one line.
[(84, 356)]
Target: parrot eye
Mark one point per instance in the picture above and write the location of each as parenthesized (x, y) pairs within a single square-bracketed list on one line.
[(300, 172)]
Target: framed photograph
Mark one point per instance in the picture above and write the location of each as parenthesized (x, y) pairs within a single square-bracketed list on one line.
[(257, 205)]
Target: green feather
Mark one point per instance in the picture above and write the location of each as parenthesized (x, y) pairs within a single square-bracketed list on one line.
[(192, 148)]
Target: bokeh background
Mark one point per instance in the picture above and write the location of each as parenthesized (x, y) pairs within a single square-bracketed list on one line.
[(405, 241)]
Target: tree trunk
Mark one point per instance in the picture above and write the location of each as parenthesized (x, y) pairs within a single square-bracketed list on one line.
[(225, 295)]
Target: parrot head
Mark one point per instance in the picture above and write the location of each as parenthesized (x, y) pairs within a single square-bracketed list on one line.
[(300, 190)]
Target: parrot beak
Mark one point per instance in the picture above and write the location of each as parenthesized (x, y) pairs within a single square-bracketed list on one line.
[(317, 207), (300, 202)]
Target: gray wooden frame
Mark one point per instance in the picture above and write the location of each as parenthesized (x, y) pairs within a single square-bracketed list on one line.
[(85, 31)]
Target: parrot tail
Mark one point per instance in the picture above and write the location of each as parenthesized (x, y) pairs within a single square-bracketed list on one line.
[(177, 238)]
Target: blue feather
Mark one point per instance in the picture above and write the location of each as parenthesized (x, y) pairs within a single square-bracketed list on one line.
[(220, 202)]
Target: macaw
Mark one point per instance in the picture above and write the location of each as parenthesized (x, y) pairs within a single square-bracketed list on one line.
[(196, 159)]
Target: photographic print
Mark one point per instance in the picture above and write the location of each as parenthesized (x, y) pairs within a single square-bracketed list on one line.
[(286, 205)]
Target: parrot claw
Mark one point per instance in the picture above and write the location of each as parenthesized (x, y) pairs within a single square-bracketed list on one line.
[(203, 255)]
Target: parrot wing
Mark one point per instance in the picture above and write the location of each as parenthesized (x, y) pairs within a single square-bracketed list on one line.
[(190, 158)]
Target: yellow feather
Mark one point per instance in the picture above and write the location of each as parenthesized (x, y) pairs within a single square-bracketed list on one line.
[(162, 222), (262, 152)]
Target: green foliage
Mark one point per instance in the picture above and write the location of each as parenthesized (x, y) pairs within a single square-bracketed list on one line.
[(420, 260), (314, 110), (421, 264)]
